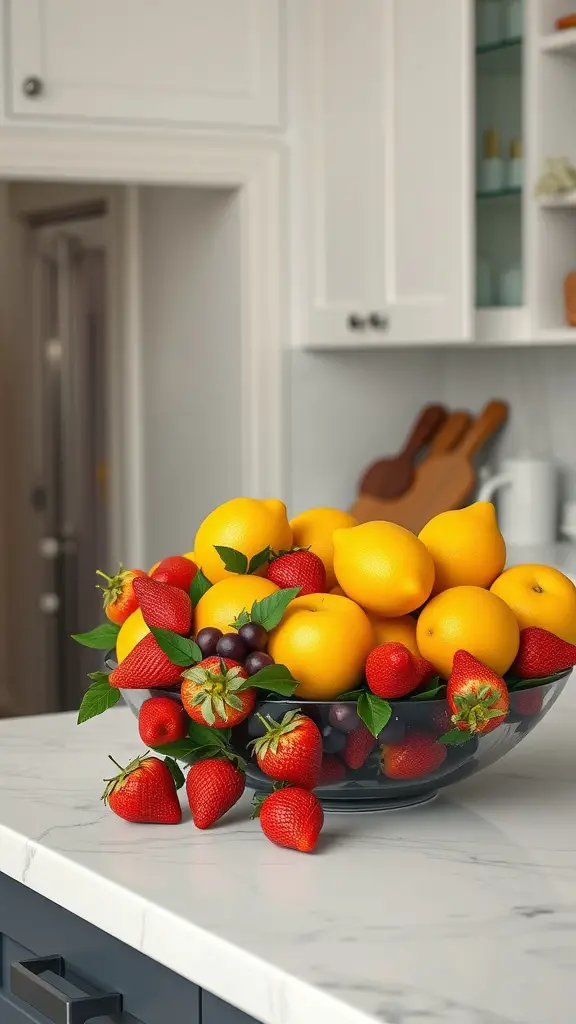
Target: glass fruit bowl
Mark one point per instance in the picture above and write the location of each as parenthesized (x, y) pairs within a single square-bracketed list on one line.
[(405, 765)]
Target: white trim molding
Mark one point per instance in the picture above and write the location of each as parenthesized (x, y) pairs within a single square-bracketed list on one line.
[(257, 170)]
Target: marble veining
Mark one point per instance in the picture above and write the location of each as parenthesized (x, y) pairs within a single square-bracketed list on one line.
[(459, 912)]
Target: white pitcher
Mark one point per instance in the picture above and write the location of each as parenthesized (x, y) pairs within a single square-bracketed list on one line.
[(527, 504)]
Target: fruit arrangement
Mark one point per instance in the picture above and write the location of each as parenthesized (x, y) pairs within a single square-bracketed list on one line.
[(303, 651)]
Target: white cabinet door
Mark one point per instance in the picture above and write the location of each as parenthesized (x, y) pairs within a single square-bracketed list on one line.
[(390, 172), (188, 62)]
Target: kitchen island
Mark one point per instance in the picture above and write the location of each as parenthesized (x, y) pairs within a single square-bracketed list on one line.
[(462, 911)]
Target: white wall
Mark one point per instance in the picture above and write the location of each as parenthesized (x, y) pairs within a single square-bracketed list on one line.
[(191, 322), (347, 409)]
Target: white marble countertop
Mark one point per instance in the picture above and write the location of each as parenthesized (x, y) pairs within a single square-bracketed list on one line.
[(459, 912)]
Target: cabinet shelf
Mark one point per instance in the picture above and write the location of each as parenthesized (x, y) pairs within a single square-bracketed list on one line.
[(560, 42), (503, 57), (503, 193)]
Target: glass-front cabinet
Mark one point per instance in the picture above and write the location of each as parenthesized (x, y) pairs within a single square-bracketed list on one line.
[(499, 153)]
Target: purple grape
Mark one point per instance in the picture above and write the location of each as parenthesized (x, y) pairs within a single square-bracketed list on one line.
[(207, 640), (394, 732), (230, 645), (343, 717), (254, 636), (257, 660), (332, 740)]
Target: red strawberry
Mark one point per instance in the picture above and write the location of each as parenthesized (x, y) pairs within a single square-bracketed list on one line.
[(332, 770), (528, 702), (417, 754), (359, 745), (213, 693), (292, 817), (479, 698), (298, 568), (144, 791), (145, 667), (213, 787), (164, 606), (119, 597), (542, 654), (175, 570), (290, 750), (442, 717), (392, 671), (161, 720)]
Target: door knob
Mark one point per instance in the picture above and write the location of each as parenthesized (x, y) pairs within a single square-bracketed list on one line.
[(32, 86), (356, 322), (49, 548), (378, 321), (49, 604)]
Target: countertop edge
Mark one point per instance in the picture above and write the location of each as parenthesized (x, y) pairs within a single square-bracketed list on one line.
[(227, 971)]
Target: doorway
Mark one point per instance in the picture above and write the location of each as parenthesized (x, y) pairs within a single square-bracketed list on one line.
[(69, 493)]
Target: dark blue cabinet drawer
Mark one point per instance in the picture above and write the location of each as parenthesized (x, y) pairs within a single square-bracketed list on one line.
[(214, 1011), (32, 926)]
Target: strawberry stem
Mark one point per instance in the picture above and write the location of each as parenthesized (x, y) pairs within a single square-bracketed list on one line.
[(116, 763), (104, 575)]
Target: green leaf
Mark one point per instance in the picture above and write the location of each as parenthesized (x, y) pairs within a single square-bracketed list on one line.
[(175, 771), (351, 695), (234, 561), (186, 750), (435, 688), (98, 697), (181, 651), (103, 638), (200, 584), (274, 679), (258, 560), (525, 684), (374, 712), (270, 610), (455, 738), (202, 734)]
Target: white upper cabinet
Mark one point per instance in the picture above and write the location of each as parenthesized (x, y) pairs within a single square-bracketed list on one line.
[(387, 170), (185, 62)]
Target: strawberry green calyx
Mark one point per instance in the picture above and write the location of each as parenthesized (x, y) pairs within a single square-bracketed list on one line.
[(218, 690), (475, 707), (275, 731), (288, 551), (115, 585), (119, 780), (241, 620)]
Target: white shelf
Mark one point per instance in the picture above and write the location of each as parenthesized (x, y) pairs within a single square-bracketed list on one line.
[(565, 201), (560, 42), (502, 325), (557, 336)]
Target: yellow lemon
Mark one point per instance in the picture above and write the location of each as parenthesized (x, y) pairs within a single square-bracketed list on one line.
[(467, 619), (324, 640), (399, 631), (383, 567), (466, 546), (220, 605), (314, 529), (246, 524), (131, 633), (540, 596), (191, 556)]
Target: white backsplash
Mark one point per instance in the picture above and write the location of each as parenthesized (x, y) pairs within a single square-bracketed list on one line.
[(348, 409)]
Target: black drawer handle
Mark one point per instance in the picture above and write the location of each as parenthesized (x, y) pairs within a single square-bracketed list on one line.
[(55, 1005)]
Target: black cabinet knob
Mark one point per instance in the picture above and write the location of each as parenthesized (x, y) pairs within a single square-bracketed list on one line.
[(378, 321), (32, 86), (356, 322)]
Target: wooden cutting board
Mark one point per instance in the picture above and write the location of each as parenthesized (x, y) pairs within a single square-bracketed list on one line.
[(444, 480), (368, 507), (389, 478)]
